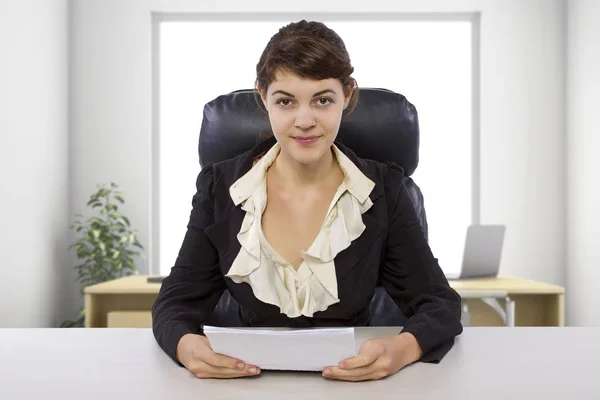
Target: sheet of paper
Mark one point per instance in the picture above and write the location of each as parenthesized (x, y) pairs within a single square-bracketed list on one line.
[(292, 350)]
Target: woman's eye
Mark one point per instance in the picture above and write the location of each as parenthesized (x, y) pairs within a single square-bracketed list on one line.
[(324, 101), (284, 102)]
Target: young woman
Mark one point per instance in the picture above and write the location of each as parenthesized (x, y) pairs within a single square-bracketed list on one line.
[(299, 229)]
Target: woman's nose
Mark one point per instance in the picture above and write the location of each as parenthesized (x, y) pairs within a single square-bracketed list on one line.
[(305, 121)]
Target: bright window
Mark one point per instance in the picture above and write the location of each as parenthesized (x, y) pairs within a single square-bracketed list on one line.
[(430, 62)]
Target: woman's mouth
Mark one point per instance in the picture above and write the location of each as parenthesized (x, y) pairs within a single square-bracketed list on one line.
[(306, 141)]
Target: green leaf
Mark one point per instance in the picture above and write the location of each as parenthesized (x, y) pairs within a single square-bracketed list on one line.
[(104, 246), (95, 220)]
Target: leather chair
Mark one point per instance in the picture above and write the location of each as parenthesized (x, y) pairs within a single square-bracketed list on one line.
[(383, 127)]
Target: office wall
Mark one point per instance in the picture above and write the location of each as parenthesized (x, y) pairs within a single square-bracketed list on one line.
[(34, 275), (583, 161), (522, 118)]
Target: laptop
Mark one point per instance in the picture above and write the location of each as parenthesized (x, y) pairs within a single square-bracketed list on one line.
[(482, 253)]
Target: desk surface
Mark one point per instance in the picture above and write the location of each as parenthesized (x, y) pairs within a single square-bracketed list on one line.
[(486, 363), (512, 285)]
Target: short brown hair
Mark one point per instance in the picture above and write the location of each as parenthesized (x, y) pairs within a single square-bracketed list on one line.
[(310, 50)]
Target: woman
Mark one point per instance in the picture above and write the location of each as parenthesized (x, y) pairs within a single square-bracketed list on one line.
[(312, 254)]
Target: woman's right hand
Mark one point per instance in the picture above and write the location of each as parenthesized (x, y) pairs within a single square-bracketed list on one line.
[(195, 353)]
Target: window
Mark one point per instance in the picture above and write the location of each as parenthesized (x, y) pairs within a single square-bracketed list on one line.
[(430, 62)]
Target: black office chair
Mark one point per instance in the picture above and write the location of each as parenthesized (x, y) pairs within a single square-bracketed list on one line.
[(383, 127)]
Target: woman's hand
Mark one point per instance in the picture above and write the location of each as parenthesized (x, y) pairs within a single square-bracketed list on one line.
[(377, 358), (195, 353)]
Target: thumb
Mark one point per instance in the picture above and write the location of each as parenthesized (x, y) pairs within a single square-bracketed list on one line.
[(369, 352)]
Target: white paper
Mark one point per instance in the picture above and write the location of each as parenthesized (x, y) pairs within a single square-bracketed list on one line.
[(292, 350)]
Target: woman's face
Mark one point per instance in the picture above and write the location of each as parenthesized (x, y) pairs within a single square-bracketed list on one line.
[(305, 114)]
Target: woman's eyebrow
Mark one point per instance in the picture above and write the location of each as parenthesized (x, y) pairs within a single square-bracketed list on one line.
[(314, 95)]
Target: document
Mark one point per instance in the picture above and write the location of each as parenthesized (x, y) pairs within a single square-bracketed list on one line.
[(291, 350)]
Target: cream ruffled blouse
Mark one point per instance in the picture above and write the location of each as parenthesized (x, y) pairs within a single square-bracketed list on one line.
[(313, 287)]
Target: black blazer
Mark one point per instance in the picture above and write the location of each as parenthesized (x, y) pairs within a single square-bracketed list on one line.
[(392, 250)]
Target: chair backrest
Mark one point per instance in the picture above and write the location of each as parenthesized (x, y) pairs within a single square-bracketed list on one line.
[(383, 127)]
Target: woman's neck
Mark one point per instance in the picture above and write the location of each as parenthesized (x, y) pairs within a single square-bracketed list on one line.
[(302, 175)]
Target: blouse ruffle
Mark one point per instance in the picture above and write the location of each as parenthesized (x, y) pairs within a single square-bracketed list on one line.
[(313, 287)]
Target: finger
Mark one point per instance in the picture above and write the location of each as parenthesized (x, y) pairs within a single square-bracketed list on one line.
[(223, 361), (205, 370), (362, 359), (372, 376), (338, 373)]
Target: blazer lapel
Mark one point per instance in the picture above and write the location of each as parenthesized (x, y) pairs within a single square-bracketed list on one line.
[(349, 258), (223, 235)]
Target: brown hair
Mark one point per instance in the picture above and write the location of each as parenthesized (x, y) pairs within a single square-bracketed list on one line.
[(310, 50)]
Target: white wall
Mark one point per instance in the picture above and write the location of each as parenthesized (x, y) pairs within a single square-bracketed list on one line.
[(522, 119), (583, 162), (33, 163)]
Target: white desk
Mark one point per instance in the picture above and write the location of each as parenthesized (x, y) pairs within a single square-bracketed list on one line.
[(486, 363)]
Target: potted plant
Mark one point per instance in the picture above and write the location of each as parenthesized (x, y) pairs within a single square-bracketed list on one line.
[(107, 247)]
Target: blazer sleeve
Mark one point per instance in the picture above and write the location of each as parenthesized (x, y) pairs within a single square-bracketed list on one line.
[(413, 278), (191, 291)]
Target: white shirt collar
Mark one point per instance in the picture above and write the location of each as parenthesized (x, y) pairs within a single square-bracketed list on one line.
[(357, 183)]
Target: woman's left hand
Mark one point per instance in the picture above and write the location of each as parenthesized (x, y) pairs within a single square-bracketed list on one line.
[(377, 358)]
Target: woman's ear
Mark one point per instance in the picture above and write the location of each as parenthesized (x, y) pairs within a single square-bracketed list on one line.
[(263, 96), (347, 100), (348, 91)]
